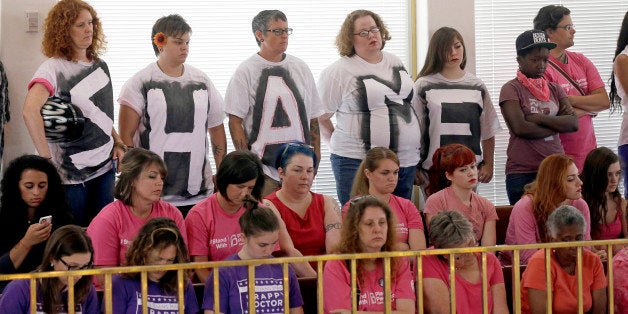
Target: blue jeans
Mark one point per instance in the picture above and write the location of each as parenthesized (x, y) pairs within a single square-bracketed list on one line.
[(622, 151), (88, 198), (515, 183), (344, 171)]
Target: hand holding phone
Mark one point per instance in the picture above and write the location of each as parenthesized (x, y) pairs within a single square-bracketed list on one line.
[(45, 219)]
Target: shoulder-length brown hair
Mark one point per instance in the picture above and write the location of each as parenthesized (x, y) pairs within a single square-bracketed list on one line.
[(131, 166), (157, 234), (548, 190), (65, 241), (57, 42), (350, 232), (344, 39), (439, 49)]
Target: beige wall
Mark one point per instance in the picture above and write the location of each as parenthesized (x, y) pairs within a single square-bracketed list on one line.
[(458, 14), (21, 55)]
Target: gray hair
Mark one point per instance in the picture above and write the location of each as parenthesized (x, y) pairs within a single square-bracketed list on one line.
[(262, 19), (564, 216), (449, 228)]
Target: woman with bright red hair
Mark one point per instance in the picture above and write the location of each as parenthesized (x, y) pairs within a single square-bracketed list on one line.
[(557, 183), (453, 178)]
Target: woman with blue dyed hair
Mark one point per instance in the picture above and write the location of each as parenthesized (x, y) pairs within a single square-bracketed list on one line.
[(312, 220)]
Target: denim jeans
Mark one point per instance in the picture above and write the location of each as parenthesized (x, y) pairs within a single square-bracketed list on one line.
[(515, 183), (344, 171), (622, 151), (88, 198)]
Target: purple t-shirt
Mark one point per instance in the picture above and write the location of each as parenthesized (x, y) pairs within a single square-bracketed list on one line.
[(16, 299), (535, 149), (127, 298), (268, 289)]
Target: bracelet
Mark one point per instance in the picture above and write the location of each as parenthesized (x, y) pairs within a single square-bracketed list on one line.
[(121, 145), (22, 244)]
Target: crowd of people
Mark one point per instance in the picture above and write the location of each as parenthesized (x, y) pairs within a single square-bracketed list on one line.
[(167, 206)]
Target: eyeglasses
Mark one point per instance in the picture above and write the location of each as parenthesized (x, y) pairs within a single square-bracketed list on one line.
[(89, 265), (280, 31), (567, 27), (365, 32)]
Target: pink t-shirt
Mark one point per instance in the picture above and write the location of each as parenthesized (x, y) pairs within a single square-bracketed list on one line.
[(113, 229), (479, 212), (620, 283), (583, 72), (212, 232), (468, 294), (337, 286), (564, 285), (406, 214), (522, 227)]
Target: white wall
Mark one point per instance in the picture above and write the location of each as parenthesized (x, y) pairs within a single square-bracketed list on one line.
[(21, 55)]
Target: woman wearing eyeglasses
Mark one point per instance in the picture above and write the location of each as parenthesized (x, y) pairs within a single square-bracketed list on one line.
[(377, 175), (272, 97), (69, 248), (159, 242), (370, 91), (577, 76), (312, 220)]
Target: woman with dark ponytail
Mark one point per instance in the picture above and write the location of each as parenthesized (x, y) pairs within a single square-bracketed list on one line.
[(260, 233)]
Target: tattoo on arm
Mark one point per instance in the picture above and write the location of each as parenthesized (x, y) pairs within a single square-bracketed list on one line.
[(329, 227)]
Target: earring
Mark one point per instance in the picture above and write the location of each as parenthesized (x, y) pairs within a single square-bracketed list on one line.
[(52, 265), (261, 40)]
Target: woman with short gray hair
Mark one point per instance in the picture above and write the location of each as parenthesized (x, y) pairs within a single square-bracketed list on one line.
[(450, 229), (267, 83), (565, 224)]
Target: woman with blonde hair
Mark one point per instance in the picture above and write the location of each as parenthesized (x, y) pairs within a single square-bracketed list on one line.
[(378, 175), (368, 228), (557, 183)]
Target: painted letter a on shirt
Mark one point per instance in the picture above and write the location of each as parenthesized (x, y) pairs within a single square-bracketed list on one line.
[(279, 114)]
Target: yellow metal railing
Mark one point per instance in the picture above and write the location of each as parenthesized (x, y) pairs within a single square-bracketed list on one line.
[(386, 256)]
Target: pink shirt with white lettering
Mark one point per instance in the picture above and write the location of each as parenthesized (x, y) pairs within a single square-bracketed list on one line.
[(212, 232), (113, 229)]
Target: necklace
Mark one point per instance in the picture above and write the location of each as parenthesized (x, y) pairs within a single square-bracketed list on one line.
[(169, 73)]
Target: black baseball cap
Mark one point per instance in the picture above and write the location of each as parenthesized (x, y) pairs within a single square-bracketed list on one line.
[(533, 38)]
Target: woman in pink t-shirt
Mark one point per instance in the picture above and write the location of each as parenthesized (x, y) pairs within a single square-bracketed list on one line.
[(212, 224), (138, 193), (378, 175), (557, 183), (447, 230), (453, 177), (600, 181), (368, 228)]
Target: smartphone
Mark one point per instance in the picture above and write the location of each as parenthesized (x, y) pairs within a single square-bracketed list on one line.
[(45, 218)]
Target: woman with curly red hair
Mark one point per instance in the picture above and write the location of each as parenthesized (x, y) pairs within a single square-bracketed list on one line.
[(73, 40)]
